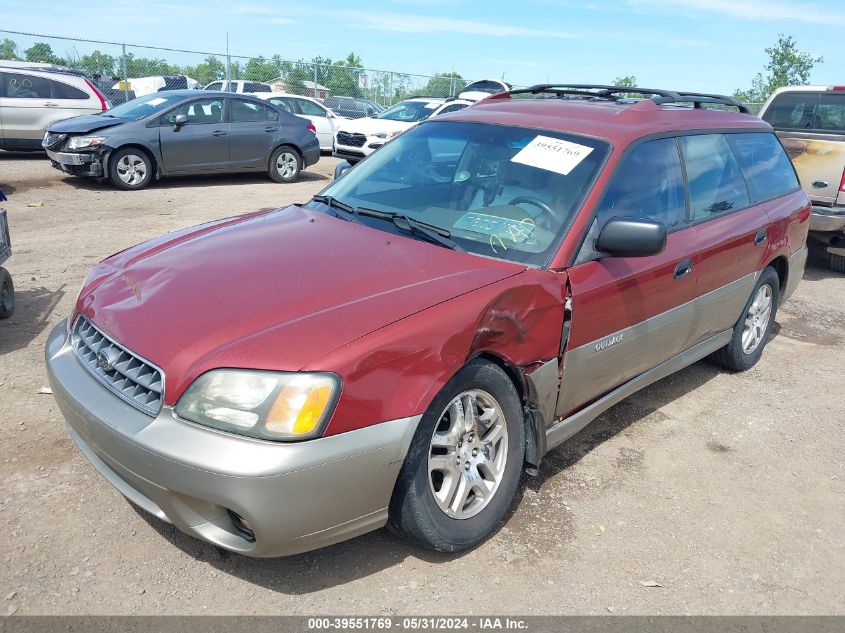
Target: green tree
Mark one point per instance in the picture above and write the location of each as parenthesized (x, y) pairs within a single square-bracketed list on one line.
[(261, 69), (628, 81), (97, 62), (444, 85), (787, 66), (41, 52), (8, 49), (210, 69)]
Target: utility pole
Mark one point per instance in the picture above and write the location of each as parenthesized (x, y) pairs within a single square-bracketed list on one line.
[(125, 78), (228, 63)]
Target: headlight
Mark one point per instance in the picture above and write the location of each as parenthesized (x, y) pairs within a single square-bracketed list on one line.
[(82, 142), (385, 134), (263, 404)]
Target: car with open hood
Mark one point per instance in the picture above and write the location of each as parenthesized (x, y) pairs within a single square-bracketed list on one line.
[(402, 347), (183, 132)]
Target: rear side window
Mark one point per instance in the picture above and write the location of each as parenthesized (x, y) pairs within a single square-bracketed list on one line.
[(648, 184), (215, 86), (716, 184), (251, 112), (764, 163), (254, 86), (310, 108), (792, 111)]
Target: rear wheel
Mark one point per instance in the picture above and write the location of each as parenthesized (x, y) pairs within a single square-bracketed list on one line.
[(285, 164), (130, 168), (7, 294), (751, 332), (464, 463), (836, 262)]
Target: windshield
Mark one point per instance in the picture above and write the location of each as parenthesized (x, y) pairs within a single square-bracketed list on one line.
[(143, 107), (500, 191), (410, 111)]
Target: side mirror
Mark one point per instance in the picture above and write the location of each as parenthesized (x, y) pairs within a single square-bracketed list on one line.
[(631, 237), (341, 168), (179, 120)]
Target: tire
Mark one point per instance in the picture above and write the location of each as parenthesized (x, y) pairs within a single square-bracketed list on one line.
[(449, 525), (285, 164), (7, 294), (743, 353), (130, 168), (836, 262)]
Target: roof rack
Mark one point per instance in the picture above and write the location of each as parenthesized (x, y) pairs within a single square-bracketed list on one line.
[(611, 93)]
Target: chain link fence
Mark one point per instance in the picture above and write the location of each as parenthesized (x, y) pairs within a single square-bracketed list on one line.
[(124, 71)]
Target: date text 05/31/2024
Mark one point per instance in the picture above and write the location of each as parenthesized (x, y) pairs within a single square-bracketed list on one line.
[(416, 623)]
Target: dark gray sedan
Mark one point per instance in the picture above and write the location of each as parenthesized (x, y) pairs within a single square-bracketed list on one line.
[(183, 132)]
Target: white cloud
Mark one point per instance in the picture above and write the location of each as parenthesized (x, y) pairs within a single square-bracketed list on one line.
[(751, 9)]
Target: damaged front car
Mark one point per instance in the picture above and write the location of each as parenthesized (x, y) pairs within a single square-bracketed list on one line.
[(403, 346)]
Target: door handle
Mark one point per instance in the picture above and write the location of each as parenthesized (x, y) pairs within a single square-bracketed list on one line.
[(683, 268), (51, 104), (219, 133), (760, 237), (271, 129), (821, 184)]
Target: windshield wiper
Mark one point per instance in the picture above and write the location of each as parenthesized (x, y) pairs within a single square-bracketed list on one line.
[(341, 209), (424, 230)]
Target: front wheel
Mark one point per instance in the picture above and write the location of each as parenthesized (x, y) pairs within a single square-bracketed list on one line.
[(285, 165), (130, 168), (464, 463), (751, 332), (7, 294)]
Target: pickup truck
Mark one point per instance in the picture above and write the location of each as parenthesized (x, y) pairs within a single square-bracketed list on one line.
[(810, 122)]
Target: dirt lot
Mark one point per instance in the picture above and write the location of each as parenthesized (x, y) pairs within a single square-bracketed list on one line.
[(726, 490)]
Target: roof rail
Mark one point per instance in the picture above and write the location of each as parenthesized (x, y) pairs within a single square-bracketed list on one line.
[(612, 93), (51, 68)]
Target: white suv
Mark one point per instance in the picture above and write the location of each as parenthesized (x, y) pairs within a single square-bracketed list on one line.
[(34, 96), (358, 138), (240, 86)]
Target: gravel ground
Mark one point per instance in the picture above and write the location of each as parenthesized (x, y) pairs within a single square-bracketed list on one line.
[(706, 493)]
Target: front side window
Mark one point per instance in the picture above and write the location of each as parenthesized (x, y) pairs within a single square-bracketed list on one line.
[(252, 112), (715, 181), (768, 170), (499, 191), (200, 112), (648, 184)]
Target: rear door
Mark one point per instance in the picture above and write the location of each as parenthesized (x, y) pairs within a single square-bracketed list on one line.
[(201, 144), (737, 184), (253, 128), (629, 314), (811, 126), (319, 117)]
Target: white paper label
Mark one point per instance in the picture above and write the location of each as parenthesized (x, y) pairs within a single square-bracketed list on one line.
[(552, 154), (156, 101), (431, 106)]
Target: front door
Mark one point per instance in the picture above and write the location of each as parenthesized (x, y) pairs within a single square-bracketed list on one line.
[(200, 144), (629, 314), (254, 127)]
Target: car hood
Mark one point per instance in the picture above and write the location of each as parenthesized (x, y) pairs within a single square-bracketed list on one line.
[(374, 126), (84, 124), (273, 290)]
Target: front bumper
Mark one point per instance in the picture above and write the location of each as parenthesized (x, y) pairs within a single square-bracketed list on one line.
[(78, 164), (295, 497), (827, 219)]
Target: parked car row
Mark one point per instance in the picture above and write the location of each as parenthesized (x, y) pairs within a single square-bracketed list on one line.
[(520, 266)]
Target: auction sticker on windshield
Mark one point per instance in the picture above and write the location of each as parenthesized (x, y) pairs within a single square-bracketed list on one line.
[(552, 154)]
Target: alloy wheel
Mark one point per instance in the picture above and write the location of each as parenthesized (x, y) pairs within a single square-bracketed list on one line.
[(468, 454), (757, 319)]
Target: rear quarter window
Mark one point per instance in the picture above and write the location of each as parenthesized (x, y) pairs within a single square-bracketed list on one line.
[(765, 165)]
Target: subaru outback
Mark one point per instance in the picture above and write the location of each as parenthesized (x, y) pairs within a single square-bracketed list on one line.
[(401, 348)]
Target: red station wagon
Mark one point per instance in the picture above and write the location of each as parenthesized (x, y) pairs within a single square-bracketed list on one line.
[(402, 347)]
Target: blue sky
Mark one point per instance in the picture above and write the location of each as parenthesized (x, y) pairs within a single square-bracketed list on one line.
[(708, 45)]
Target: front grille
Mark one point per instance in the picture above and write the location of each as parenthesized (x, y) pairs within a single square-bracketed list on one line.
[(137, 381), (351, 140), (51, 139)]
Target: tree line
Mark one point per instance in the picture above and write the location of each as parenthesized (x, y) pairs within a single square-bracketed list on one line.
[(342, 77)]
